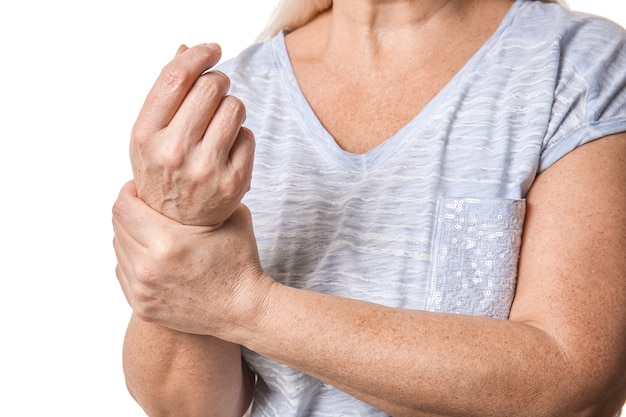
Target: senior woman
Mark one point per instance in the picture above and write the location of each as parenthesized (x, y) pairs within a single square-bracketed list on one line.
[(432, 224)]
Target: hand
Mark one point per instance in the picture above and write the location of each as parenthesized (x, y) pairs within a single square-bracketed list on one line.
[(191, 157), (193, 279)]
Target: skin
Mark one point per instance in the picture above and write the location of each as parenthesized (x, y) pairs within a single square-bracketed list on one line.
[(191, 157), (198, 292), (206, 158)]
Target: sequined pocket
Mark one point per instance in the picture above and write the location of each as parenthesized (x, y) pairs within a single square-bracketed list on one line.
[(476, 245)]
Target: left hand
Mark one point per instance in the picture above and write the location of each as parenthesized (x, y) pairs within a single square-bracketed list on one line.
[(193, 279)]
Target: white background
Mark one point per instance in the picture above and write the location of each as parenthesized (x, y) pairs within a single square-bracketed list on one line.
[(72, 78)]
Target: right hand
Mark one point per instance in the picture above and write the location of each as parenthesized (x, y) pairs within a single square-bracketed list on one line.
[(190, 155), (192, 279)]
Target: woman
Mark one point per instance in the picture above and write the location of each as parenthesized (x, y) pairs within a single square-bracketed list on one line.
[(437, 198)]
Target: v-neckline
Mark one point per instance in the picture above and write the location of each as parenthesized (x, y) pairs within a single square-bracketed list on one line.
[(362, 162)]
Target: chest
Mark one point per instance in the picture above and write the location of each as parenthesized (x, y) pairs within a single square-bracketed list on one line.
[(361, 112)]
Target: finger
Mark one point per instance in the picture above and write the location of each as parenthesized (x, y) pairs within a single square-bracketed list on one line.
[(242, 154), (135, 223), (181, 49), (172, 86), (199, 107), (120, 274), (223, 130)]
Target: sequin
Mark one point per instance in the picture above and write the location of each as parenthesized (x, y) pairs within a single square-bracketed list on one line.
[(476, 246)]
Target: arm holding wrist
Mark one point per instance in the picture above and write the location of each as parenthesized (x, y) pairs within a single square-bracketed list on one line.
[(561, 353)]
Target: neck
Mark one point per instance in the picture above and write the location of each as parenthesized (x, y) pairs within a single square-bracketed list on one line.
[(385, 15), (366, 32), (375, 27)]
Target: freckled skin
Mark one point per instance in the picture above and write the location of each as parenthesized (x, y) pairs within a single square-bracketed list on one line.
[(198, 292)]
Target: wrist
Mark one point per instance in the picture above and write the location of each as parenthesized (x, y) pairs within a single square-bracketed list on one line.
[(256, 304)]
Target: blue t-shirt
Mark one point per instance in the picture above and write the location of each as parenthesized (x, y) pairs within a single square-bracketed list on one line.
[(432, 218)]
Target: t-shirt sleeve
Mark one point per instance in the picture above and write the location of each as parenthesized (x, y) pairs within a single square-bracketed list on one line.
[(590, 93)]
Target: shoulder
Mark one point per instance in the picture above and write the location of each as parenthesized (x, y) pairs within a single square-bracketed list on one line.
[(579, 37), (554, 17), (256, 59), (564, 47), (257, 78), (578, 60)]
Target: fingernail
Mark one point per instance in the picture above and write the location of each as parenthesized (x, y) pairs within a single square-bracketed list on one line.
[(181, 49), (214, 46)]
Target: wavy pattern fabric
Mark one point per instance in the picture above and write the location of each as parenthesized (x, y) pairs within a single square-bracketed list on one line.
[(365, 226)]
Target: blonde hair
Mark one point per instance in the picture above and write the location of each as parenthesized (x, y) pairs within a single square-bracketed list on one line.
[(291, 14)]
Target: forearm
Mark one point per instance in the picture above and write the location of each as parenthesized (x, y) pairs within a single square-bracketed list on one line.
[(173, 373), (412, 363), (561, 353)]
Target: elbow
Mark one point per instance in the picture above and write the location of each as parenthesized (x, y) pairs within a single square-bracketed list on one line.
[(173, 399), (576, 376), (157, 403), (589, 392), (163, 399)]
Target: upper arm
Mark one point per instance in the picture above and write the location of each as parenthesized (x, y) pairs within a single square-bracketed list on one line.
[(572, 270)]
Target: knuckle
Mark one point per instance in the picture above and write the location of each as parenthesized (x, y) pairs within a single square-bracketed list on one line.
[(169, 163), (140, 134), (246, 134), (147, 278), (235, 107), (173, 77), (169, 159), (221, 78), (213, 85), (119, 209), (232, 187), (164, 251), (118, 271), (248, 141), (199, 174), (145, 300)]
